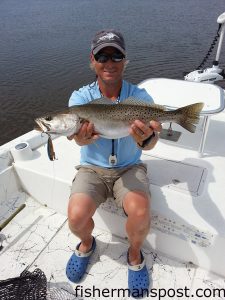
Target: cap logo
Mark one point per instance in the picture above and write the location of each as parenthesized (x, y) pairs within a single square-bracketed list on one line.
[(108, 36)]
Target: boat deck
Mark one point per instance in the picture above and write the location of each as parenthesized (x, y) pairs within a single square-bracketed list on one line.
[(39, 237), (184, 249)]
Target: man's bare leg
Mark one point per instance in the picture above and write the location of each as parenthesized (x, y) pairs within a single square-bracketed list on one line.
[(81, 208), (137, 207)]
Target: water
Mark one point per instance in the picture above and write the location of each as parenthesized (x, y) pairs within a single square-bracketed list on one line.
[(45, 48)]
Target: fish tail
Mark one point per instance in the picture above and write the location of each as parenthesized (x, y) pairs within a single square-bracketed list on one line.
[(189, 116)]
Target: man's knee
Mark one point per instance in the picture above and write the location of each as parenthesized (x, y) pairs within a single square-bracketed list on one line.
[(137, 205), (141, 218), (80, 210)]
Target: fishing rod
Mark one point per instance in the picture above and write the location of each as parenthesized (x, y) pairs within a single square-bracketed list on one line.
[(6, 222)]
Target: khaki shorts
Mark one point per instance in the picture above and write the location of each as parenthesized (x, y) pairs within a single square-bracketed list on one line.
[(100, 183)]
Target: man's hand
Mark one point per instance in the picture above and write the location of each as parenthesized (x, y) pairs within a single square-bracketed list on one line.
[(141, 131), (86, 135)]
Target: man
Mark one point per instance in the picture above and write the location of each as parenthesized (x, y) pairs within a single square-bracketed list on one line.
[(111, 167)]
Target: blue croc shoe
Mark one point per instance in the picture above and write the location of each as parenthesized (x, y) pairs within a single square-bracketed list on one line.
[(138, 278), (77, 264)]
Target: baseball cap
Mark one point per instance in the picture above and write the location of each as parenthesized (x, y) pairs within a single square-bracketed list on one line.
[(108, 38)]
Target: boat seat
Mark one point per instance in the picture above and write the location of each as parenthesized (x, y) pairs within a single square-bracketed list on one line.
[(173, 93)]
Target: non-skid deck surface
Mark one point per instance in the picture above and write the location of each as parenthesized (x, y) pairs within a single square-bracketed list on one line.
[(40, 238)]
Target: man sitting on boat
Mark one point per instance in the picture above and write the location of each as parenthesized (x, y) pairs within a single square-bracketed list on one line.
[(111, 167)]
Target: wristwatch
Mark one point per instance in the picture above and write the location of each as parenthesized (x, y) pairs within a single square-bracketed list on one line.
[(147, 141)]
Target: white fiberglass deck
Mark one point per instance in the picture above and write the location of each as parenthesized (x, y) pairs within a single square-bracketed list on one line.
[(185, 247), (183, 225), (39, 238)]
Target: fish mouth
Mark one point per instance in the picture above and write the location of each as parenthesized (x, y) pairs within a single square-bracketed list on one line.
[(41, 126)]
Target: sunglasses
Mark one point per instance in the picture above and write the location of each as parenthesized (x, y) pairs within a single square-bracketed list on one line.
[(103, 57)]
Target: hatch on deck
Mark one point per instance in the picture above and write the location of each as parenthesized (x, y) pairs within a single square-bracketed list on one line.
[(176, 175)]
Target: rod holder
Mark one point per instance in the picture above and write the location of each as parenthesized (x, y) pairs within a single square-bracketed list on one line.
[(22, 152)]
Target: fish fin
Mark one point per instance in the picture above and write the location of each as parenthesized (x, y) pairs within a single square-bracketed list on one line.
[(189, 116), (188, 126), (159, 107), (102, 100), (140, 102), (127, 101)]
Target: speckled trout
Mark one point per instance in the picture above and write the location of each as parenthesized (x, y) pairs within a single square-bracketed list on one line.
[(112, 121)]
